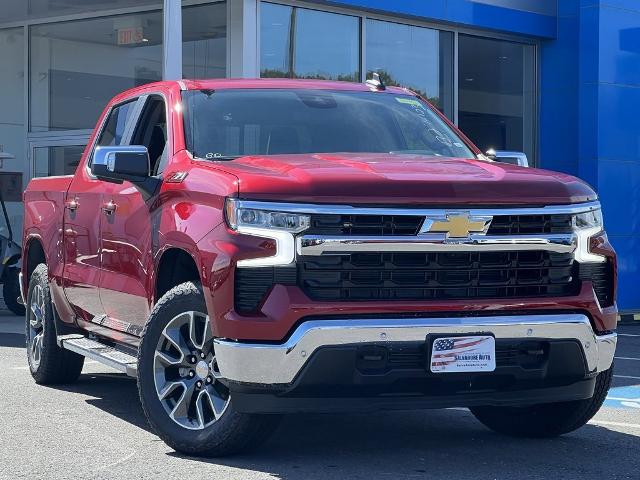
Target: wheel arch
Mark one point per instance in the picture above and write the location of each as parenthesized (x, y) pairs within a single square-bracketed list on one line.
[(34, 254), (175, 266)]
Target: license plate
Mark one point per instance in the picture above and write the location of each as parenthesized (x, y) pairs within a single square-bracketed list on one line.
[(469, 353)]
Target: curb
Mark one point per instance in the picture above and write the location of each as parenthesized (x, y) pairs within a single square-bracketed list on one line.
[(629, 319)]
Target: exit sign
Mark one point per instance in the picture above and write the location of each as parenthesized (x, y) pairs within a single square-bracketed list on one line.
[(130, 36)]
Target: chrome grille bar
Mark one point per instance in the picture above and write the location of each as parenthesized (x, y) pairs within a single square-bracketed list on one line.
[(428, 212), (315, 245)]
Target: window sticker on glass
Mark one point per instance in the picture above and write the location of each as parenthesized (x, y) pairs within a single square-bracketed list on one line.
[(410, 101)]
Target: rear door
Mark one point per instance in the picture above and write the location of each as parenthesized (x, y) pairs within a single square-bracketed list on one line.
[(82, 216), (127, 233)]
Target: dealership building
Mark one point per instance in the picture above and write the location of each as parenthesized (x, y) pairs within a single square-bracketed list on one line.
[(556, 79)]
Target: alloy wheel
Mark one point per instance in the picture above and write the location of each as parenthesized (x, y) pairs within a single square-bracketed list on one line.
[(187, 378), (35, 329)]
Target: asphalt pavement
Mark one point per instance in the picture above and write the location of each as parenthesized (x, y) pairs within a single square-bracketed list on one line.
[(95, 428)]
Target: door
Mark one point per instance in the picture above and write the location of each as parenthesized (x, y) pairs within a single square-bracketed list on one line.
[(82, 215), (126, 230)]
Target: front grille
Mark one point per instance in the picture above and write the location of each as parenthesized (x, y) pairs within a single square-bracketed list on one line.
[(400, 225), (601, 276), (530, 224), (434, 276), (376, 225), (420, 276)]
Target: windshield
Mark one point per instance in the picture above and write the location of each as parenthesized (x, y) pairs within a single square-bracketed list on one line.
[(226, 124)]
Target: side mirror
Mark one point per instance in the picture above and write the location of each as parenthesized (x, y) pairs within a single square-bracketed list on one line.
[(514, 158), (125, 162)]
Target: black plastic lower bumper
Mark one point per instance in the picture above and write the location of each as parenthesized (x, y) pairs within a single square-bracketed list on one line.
[(375, 377)]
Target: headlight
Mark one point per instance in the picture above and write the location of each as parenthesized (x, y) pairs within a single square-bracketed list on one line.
[(239, 217), (587, 225), (590, 219), (259, 222)]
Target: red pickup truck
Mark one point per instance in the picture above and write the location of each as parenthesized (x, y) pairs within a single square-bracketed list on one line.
[(248, 248)]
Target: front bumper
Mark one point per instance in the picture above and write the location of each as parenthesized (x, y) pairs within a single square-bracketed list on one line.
[(280, 364)]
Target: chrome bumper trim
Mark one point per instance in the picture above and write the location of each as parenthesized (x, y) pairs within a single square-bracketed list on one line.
[(606, 350), (279, 364), (329, 245)]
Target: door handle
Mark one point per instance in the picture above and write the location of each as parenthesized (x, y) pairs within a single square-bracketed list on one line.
[(72, 205), (109, 208)]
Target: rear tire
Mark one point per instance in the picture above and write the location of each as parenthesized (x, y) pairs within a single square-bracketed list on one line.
[(545, 420), (11, 291), (48, 363), (182, 395)]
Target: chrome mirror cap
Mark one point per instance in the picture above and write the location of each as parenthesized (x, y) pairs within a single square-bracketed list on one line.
[(504, 156)]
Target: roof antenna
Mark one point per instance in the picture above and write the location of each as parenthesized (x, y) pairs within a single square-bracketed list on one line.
[(376, 82)]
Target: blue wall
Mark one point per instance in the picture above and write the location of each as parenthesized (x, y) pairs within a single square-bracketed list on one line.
[(590, 93), (610, 101), (523, 16)]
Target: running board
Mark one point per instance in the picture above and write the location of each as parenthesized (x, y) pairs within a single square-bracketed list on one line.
[(105, 354)]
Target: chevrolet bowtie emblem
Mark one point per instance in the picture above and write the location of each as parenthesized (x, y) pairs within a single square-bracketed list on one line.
[(457, 225)]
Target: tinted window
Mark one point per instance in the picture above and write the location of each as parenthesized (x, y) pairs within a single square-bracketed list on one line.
[(497, 101), (204, 41), (302, 43), (151, 132), (77, 66), (114, 128), (414, 57), (231, 123)]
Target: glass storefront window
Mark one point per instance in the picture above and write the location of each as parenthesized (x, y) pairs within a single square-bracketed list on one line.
[(204, 41), (12, 144), (496, 94), (303, 43), (56, 160), (418, 58), (77, 66), (19, 10)]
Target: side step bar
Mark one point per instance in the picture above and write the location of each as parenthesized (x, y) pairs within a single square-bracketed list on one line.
[(105, 354)]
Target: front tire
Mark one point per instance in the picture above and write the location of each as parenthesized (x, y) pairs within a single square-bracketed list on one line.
[(183, 395), (49, 364), (545, 420)]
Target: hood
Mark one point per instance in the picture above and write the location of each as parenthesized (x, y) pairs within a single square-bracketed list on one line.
[(401, 180)]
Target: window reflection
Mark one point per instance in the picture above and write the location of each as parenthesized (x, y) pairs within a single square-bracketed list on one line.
[(418, 58), (77, 66), (12, 117), (204, 41), (302, 43), (57, 160), (496, 103)]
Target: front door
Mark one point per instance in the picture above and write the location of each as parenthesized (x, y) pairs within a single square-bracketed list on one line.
[(127, 233)]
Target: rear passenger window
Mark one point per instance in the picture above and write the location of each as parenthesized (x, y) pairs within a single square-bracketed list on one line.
[(116, 123)]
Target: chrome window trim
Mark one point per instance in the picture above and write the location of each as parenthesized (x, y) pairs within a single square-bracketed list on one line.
[(311, 208)]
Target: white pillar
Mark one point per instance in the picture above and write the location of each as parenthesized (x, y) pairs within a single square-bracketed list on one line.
[(172, 40), (243, 37)]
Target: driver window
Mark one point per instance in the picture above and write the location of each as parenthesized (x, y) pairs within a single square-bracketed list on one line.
[(113, 131), (152, 133)]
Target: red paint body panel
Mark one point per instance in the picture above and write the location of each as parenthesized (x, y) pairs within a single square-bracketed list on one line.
[(109, 265), (384, 179)]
